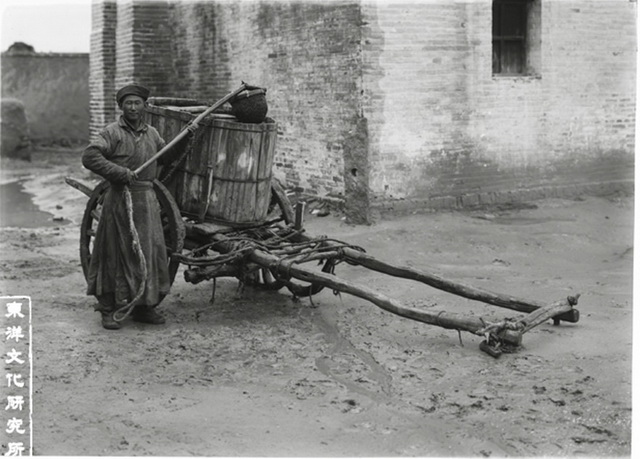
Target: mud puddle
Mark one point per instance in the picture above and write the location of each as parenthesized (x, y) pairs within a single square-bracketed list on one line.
[(18, 210)]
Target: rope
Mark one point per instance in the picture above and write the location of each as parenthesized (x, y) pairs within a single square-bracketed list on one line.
[(275, 242), (287, 269), (229, 257), (497, 327), (127, 308)]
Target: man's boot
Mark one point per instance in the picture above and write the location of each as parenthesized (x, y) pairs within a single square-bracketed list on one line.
[(109, 322), (147, 315)]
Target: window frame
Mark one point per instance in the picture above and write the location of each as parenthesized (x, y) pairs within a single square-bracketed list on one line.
[(500, 40)]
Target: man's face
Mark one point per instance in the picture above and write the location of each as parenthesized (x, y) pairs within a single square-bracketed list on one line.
[(132, 108)]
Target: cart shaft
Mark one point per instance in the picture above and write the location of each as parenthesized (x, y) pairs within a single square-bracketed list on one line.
[(286, 269)]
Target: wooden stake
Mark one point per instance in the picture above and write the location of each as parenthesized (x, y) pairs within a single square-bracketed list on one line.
[(299, 221)]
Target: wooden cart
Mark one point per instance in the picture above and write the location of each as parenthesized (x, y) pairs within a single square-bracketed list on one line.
[(225, 216)]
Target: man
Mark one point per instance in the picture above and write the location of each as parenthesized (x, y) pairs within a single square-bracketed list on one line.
[(116, 273)]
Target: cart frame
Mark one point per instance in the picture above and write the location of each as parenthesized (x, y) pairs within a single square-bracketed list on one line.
[(278, 253)]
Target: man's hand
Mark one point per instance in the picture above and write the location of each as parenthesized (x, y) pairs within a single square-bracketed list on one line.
[(192, 128), (130, 177)]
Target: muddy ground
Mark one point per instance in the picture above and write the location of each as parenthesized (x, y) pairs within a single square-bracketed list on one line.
[(259, 374)]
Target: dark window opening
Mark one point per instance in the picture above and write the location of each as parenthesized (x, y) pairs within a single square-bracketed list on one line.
[(510, 37)]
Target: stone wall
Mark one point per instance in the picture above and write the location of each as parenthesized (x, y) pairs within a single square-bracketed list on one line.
[(54, 91)]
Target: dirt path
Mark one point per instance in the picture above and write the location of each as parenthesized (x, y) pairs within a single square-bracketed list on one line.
[(258, 374)]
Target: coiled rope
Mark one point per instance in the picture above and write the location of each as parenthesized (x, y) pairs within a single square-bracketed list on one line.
[(123, 312)]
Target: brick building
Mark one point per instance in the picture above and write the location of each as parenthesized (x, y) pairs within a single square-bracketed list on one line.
[(434, 103)]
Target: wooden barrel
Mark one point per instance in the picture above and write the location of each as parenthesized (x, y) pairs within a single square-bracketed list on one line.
[(226, 176)]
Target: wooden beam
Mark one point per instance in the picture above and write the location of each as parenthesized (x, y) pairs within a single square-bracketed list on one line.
[(287, 269), (79, 186), (457, 288)]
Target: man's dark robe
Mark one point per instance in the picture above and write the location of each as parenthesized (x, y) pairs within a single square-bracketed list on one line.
[(115, 273)]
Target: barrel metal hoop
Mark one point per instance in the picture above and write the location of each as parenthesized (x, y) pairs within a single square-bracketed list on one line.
[(265, 179), (225, 179)]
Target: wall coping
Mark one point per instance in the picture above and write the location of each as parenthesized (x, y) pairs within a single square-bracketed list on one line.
[(43, 55)]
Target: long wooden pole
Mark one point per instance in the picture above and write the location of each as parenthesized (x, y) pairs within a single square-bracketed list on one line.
[(541, 315), (440, 318), (456, 288), (465, 291), (184, 132)]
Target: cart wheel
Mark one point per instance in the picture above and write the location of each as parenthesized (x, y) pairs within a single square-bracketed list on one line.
[(279, 207), (263, 279), (172, 226), (301, 291), (172, 223), (279, 198), (89, 225), (280, 203)]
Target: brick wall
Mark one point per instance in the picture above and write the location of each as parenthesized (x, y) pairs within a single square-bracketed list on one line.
[(152, 36), (102, 65), (389, 102), (443, 127), (125, 46), (54, 90), (200, 57), (131, 42), (306, 54), (143, 45)]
